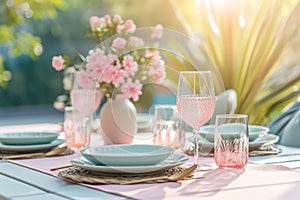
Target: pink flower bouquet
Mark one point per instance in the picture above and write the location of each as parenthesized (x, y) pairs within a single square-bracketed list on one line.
[(122, 62)]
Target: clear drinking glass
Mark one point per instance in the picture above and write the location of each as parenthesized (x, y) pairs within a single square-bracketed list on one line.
[(166, 126), (85, 102), (75, 137), (196, 103), (231, 141)]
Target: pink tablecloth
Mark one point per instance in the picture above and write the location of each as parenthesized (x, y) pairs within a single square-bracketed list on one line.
[(255, 181)]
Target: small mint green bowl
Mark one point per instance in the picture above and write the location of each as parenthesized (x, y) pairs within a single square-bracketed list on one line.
[(255, 132), (127, 154)]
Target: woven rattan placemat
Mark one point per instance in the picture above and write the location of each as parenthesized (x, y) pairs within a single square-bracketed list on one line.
[(68, 151), (265, 151), (79, 175)]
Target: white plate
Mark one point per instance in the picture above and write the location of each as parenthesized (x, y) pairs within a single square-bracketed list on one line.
[(28, 138), (127, 154), (24, 148), (172, 161), (269, 138)]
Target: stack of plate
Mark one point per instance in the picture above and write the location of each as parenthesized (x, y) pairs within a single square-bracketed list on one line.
[(29, 141), (258, 136), (128, 159)]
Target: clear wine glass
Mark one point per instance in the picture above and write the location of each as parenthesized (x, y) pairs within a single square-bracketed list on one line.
[(196, 104), (85, 101)]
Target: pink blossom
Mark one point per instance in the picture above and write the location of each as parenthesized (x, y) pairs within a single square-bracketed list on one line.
[(118, 78), (130, 66), (117, 19), (94, 57), (155, 64), (151, 53), (96, 73), (113, 75), (157, 31), (95, 22), (159, 76), (84, 80), (132, 90), (130, 26), (112, 66), (136, 41), (107, 18), (110, 71), (98, 62), (157, 69), (120, 28), (119, 43), (112, 59), (58, 62), (107, 75)]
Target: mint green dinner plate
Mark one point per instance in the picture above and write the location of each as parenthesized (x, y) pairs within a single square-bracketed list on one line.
[(266, 139), (172, 161), (127, 154), (31, 148), (255, 132), (28, 138)]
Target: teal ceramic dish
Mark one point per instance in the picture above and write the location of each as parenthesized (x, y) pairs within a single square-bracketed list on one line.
[(253, 145), (255, 132), (171, 161), (28, 138), (31, 148), (127, 154)]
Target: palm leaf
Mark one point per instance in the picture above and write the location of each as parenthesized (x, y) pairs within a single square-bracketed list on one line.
[(246, 55)]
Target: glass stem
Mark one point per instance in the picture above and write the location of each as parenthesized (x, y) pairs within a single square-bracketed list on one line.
[(87, 131), (196, 149)]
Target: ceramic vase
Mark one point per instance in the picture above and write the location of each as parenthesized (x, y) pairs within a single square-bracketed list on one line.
[(118, 121)]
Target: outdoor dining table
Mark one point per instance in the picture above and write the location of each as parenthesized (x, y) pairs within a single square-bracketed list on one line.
[(264, 177)]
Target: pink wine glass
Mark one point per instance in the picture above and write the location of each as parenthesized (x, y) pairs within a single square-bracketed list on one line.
[(196, 103)]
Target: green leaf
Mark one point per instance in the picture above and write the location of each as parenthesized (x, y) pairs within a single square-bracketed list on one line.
[(5, 34), (5, 75), (24, 43)]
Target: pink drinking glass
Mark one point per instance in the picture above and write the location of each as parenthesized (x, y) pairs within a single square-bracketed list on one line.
[(85, 102), (196, 103), (231, 140)]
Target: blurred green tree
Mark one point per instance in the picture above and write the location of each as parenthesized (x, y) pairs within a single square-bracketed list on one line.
[(15, 36)]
